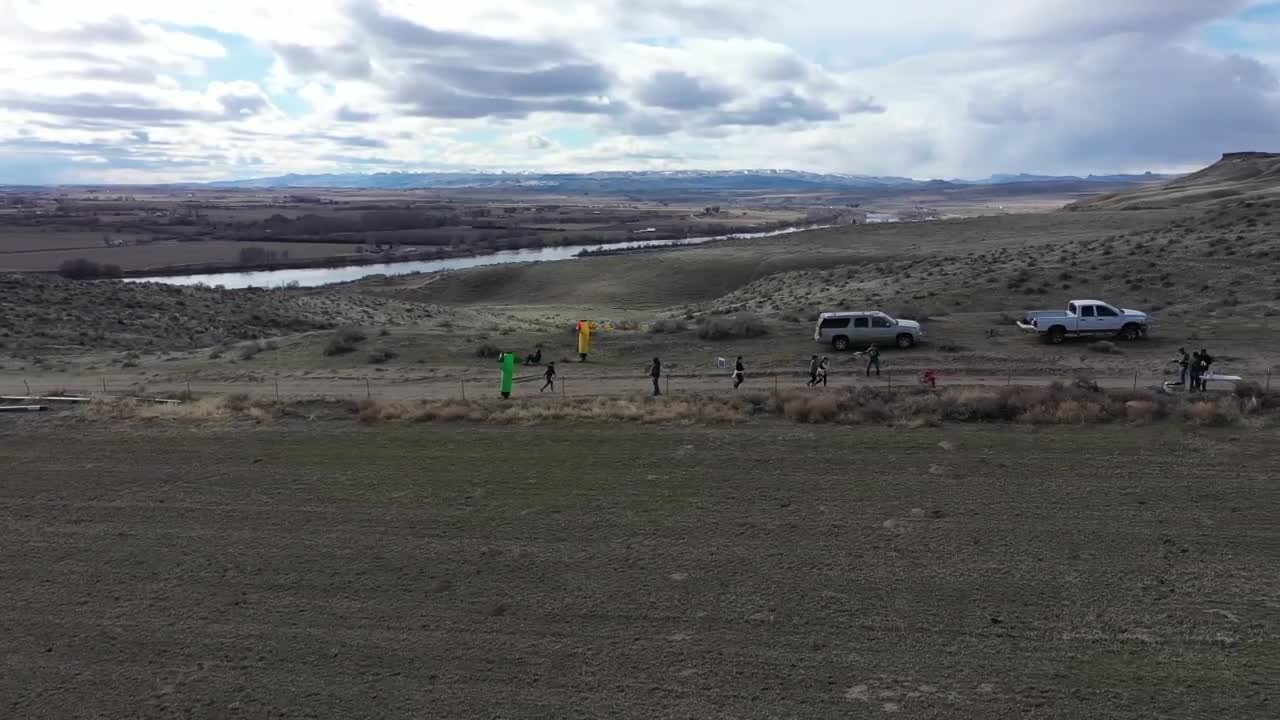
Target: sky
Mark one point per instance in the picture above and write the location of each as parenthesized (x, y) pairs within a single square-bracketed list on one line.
[(149, 91)]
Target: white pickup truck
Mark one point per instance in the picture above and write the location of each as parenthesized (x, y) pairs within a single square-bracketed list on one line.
[(1086, 318)]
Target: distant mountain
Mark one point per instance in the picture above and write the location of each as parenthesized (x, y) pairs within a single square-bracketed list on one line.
[(1108, 179), (1237, 177), (646, 181)]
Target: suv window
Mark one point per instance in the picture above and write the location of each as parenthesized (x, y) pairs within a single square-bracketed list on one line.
[(835, 323), (860, 322), (1086, 311), (879, 322), (1104, 311)]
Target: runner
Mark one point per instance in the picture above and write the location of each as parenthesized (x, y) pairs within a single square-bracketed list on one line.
[(813, 372), (550, 375), (655, 372), (739, 373), (822, 371)]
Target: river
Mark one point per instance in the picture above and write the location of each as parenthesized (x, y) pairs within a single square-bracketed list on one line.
[(312, 277)]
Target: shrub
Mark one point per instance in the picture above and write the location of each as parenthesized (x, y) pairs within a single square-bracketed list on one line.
[(668, 325), (380, 355), (248, 350), (84, 269), (1106, 347), (744, 325), (812, 409), (343, 340), (1222, 413)]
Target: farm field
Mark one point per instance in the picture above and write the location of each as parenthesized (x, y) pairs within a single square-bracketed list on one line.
[(588, 570), (167, 254), (137, 228)]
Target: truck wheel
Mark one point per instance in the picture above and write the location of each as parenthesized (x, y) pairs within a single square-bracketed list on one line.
[(1130, 332), (1056, 335), (905, 341), (840, 343)]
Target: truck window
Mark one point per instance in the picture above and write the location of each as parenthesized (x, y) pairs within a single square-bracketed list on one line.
[(835, 323), (879, 322), (860, 322), (1104, 311), (1071, 308), (1086, 311)]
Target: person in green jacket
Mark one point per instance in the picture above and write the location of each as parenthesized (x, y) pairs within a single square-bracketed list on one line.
[(873, 360), (508, 362)]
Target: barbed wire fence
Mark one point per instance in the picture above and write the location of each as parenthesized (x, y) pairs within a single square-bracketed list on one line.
[(280, 387)]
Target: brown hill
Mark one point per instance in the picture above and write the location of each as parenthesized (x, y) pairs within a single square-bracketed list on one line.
[(1244, 175)]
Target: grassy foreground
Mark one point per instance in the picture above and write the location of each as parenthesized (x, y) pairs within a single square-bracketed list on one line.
[(619, 570)]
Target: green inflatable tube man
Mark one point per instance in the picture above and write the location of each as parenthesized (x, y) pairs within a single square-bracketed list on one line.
[(508, 361)]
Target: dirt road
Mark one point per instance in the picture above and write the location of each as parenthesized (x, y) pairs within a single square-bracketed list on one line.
[(573, 381)]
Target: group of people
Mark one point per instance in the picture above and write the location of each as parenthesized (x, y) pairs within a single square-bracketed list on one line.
[(817, 370), (1194, 367)]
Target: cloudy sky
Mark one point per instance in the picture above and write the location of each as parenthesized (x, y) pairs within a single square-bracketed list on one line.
[(169, 90)]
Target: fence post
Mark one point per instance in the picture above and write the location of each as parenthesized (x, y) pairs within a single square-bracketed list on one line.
[(1135, 379), (889, 381), (24, 382), (668, 379), (1268, 381), (368, 389), (188, 388), (277, 379), (775, 383), (104, 384), (464, 390)]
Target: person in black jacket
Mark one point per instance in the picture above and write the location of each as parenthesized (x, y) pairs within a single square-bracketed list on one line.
[(550, 375), (739, 373), (655, 372), (813, 372), (1206, 362)]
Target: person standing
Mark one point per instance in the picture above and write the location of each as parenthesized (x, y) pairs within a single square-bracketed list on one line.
[(1195, 371), (822, 371), (550, 375), (813, 372), (739, 373), (655, 373), (1184, 365), (873, 360), (1206, 362)]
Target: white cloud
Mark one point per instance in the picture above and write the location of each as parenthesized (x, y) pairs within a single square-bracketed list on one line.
[(163, 90)]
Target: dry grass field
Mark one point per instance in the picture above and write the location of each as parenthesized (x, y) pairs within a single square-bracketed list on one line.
[(313, 569)]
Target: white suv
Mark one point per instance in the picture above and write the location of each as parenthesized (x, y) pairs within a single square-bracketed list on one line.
[(843, 330)]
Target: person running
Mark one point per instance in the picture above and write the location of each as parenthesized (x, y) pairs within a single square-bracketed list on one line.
[(813, 372), (655, 372), (1194, 370), (822, 371), (739, 373), (873, 360), (1184, 366), (550, 375)]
